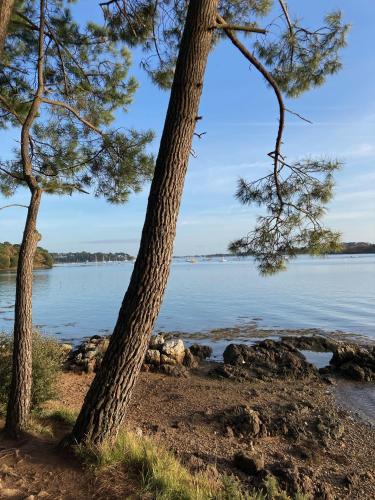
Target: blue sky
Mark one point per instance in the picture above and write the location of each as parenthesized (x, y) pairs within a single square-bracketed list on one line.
[(240, 117)]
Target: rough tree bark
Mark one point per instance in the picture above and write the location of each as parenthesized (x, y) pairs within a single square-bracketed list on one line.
[(104, 409), (20, 392), (6, 7)]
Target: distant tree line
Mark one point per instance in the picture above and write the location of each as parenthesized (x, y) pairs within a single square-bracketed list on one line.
[(9, 257), (357, 247), (71, 257)]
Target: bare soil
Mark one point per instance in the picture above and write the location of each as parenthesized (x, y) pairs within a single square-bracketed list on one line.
[(329, 452)]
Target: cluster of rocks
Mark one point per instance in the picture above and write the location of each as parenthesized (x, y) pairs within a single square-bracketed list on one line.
[(282, 359), (264, 360), (295, 421), (165, 354), (298, 422), (353, 361), (288, 477), (348, 360), (88, 355), (170, 356), (316, 343)]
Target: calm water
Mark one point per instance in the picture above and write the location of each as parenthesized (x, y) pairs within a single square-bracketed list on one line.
[(334, 293)]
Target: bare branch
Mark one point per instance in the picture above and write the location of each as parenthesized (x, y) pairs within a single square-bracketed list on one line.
[(286, 15), (107, 4), (200, 135), (299, 116), (257, 64), (237, 27), (13, 205)]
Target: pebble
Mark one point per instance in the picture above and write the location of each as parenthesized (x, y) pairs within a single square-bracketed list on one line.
[(9, 493)]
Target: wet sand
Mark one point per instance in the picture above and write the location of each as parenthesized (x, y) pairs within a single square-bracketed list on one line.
[(358, 398)]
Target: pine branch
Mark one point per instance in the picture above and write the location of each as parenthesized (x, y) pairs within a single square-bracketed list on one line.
[(11, 174), (10, 109), (66, 106)]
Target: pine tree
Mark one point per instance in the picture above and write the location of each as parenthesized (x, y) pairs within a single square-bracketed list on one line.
[(61, 85), (157, 27), (6, 7)]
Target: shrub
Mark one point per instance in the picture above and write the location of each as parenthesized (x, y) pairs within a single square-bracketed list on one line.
[(47, 358)]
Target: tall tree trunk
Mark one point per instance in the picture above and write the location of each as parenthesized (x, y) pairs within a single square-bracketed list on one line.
[(6, 7), (20, 390), (105, 405), (20, 393)]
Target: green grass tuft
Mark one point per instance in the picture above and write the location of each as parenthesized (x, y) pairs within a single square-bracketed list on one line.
[(63, 416)]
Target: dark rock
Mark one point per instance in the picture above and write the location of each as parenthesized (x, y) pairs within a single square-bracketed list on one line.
[(329, 426), (269, 359), (315, 343), (201, 351), (354, 362), (196, 464), (236, 373), (326, 370), (292, 479), (323, 491), (189, 359), (329, 380), (242, 420), (95, 337), (249, 464), (174, 370)]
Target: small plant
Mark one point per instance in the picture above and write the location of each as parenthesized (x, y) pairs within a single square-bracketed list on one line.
[(62, 416), (47, 358)]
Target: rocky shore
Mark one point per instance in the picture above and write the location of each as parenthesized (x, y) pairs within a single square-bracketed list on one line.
[(264, 360), (263, 411)]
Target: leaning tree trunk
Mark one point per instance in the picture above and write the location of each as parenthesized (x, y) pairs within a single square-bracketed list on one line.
[(20, 392), (105, 405), (6, 7)]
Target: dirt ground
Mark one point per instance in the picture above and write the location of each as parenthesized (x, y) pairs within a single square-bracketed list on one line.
[(306, 440)]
